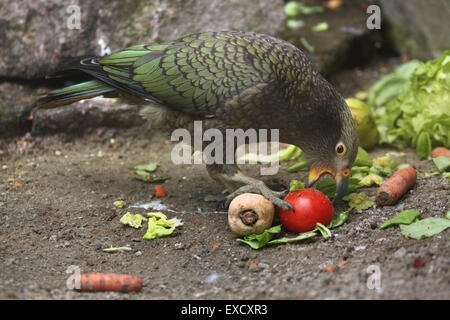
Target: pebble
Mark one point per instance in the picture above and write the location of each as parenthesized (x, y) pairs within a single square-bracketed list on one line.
[(212, 278), (179, 246), (400, 253)]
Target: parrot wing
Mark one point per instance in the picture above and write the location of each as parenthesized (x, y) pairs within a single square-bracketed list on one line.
[(195, 74)]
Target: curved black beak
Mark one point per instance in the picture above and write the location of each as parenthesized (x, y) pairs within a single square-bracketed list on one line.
[(341, 189), (341, 182)]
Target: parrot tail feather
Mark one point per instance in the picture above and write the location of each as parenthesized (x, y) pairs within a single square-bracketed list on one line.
[(70, 94)]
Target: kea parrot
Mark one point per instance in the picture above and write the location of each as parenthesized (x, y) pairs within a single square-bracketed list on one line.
[(228, 80)]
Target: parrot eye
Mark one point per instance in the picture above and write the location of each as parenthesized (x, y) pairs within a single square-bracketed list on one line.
[(340, 149)]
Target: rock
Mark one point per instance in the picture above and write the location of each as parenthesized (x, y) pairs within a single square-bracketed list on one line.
[(15, 107), (38, 36), (400, 253), (347, 42), (89, 113), (416, 27)]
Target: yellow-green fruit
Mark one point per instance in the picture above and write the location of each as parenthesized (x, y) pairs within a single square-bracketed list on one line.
[(367, 130)]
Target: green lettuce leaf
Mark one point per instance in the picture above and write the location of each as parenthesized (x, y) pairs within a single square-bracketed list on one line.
[(159, 226), (425, 228), (442, 163), (257, 241), (404, 217), (296, 185), (415, 113), (339, 219), (300, 237), (132, 220)]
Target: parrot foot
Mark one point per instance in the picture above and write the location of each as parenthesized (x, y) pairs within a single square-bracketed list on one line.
[(260, 188)]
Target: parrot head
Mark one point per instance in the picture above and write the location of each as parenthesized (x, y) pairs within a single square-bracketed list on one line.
[(331, 144)]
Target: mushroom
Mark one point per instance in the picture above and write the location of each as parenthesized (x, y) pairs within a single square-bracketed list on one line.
[(250, 213)]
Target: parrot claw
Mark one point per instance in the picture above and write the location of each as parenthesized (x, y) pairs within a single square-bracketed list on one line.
[(262, 189)]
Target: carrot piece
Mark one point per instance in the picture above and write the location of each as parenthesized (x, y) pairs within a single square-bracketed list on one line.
[(440, 151), (109, 282), (396, 186), (160, 193), (330, 269), (17, 185)]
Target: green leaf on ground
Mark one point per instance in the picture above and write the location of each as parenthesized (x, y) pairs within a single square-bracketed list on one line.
[(257, 241), (360, 201), (362, 159), (338, 219), (149, 172), (301, 236), (159, 226), (296, 185), (299, 165), (326, 233), (404, 217), (307, 45), (132, 220), (425, 228), (112, 250), (322, 26), (442, 163)]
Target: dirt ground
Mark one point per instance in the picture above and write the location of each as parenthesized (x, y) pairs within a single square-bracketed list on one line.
[(56, 211), (63, 215)]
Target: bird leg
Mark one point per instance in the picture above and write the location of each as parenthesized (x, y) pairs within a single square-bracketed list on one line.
[(230, 175)]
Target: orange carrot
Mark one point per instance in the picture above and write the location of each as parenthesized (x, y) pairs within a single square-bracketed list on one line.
[(109, 282), (17, 185), (396, 186), (160, 193), (440, 151), (330, 269)]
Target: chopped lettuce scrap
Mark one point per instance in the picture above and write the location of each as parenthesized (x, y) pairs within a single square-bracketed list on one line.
[(132, 220), (159, 226), (360, 201)]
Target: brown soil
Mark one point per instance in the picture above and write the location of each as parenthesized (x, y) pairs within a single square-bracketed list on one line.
[(56, 211)]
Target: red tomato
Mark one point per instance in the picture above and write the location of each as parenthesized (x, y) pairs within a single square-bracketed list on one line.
[(311, 206)]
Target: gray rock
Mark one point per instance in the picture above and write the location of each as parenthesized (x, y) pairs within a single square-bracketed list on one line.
[(89, 113), (417, 27), (37, 38)]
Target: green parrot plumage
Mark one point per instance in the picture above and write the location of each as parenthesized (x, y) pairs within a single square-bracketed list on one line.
[(234, 80)]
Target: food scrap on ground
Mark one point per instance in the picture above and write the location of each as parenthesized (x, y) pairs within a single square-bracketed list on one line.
[(159, 226), (119, 204), (396, 186), (250, 213), (150, 172), (108, 282), (132, 220), (412, 226), (360, 201), (404, 217), (160, 193), (116, 249)]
